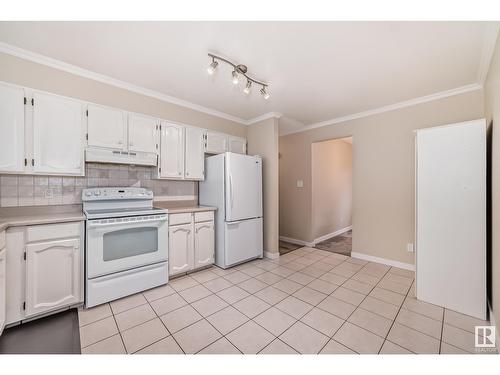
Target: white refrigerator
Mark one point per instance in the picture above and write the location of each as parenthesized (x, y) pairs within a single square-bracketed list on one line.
[(233, 184)]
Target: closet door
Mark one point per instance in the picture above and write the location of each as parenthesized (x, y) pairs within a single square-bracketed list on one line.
[(451, 217), (58, 135), (11, 129)]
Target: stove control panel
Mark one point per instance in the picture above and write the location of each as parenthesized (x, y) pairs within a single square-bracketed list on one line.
[(115, 193)]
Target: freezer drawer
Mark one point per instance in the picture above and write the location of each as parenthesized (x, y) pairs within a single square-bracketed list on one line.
[(243, 241)]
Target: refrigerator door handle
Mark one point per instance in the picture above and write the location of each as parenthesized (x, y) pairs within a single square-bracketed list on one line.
[(234, 222), (232, 189)]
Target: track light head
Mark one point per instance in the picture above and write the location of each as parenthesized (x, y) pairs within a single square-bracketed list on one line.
[(264, 93), (236, 77), (246, 90), (211, 68)]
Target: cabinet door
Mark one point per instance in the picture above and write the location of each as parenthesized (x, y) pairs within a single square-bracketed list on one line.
[(203, 244), (194, 154), (180, 249), (172, 151), (142, 133), (58, 135), (53, 275), (11, 129), (216, 143), (107, 127), (238, 145), (3, 307)]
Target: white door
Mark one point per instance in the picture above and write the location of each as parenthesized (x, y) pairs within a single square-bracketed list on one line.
[(107, 127), (243, 187), (58, 135), (3, 306), (194, 154), (243, 241), (180, 249), (172, 151), (451, 217), (238, 145), (11, 129), (216, 143), (203, 244), (142, 133), (53, 275)]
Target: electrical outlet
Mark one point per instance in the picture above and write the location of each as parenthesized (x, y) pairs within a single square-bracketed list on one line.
[(409, 247), (49, 193), (300, 183)]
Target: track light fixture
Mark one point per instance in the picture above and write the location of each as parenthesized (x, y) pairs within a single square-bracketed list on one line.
[(238, 70)]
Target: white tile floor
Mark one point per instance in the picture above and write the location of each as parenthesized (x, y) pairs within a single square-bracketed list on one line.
[(307, 301)]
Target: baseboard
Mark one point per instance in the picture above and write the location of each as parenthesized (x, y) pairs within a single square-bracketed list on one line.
[(296, 241), (333, 234), (389, 262), (268, 254)]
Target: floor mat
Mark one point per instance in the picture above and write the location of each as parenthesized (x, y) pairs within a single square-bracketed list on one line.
[(341, 244)]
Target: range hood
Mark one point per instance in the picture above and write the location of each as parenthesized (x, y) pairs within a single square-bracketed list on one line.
[(120, 157)]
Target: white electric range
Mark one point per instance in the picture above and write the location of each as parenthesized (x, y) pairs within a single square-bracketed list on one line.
[(126, 243)]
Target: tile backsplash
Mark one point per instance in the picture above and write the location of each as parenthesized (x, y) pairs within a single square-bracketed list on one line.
[(23, 190)]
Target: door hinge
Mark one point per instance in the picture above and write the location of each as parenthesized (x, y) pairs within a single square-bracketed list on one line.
[(25, 162), (24, 305), (32, 162), (24, 255), (157, 146), (87, 136), (25, 101), (87, 113), (32, 101), (159, 169)]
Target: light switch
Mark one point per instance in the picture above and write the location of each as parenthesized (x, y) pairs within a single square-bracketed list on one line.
[(300, 183)]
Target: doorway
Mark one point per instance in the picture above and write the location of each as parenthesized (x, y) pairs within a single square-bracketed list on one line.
[(332, 176)]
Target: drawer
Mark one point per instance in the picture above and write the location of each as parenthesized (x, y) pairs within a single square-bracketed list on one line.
[(176, 219), (2, 239), (53, 231), (203, 216)]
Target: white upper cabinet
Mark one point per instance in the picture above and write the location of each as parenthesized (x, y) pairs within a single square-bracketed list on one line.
[(216, 143), (142, 133), (58, 135), (107, 127), (237, 144), (194, 154), (172, 151), (11, 129)]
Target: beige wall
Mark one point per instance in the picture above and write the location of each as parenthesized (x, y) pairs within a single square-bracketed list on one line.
[(492, 110), (26, 73), (331, 186), (263, 140), (383, 173)]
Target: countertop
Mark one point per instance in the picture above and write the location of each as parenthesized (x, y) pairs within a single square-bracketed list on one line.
[(33, 215), (177, 207)]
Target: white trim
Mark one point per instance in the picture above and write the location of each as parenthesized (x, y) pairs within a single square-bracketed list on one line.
[(389, 262), (263, 117), (166, 198), (487, 51), (296, 241), (73, 69), (270, 255), (331, 235), (392, 107)]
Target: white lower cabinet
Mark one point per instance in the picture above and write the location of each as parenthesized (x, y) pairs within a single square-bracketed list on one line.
[(191, 244), (44, 269), (46, 289)]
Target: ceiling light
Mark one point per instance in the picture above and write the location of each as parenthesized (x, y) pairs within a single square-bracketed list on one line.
[(211, 68), (236, 77), (246, 90), (264, 92), (238, 70)]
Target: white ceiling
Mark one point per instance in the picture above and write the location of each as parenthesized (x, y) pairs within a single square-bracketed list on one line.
[(316, 70)]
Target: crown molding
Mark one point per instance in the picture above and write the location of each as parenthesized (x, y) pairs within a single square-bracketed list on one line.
[(263, 117), (391, 107), (73, 69), (487, 51)]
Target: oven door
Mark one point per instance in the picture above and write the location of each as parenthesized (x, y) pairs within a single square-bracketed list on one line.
[(120, 244)]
